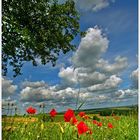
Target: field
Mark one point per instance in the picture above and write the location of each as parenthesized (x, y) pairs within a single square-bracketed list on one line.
[(103, 124)]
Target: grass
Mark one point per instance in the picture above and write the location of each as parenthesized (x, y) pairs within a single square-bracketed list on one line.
[(125, 127)]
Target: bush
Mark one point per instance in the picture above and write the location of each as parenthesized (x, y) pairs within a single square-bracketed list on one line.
[(96, 118)]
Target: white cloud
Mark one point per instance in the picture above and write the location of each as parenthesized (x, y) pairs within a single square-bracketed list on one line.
[(119, 65), (89, 53), (89, 69), (91, 47), (54, 97), (110, 83), (94, 5), (8, 88), (87, 79), (126, 93), (120, 93), (135, 74), (34, 84), (134, 77), (40, 94), (69, 75), (53, 94), (32, 94)]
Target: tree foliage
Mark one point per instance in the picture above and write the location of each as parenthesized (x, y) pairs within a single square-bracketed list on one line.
[(36, 29)]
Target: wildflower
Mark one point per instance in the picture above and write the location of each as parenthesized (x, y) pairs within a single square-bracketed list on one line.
[(61, 128), (86, 117), (81, 114), (68, 115), (42, 126), (83, 128), (53, 113), (95, 122), (74, 120), (31, 110), (110, 125), (90, 132), (99, 124)]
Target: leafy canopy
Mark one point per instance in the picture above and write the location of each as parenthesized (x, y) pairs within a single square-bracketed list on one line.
[(36, 29)]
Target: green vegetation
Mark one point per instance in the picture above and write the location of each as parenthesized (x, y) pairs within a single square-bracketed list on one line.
[(36, 30), (125, 127)]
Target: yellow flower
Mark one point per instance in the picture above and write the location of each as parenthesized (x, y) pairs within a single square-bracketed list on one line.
[(42, 126), (61, 128)]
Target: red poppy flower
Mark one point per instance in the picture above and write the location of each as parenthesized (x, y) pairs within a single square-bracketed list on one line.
[(53, 113), (31, 110), (83, 128), (99, 124), (74, 120), (95, 122), (68, 115), (110, 125), (90, 132), (81, 114)]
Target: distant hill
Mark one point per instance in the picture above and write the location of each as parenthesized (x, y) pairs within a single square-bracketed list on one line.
[(109, 110), (121, 110)]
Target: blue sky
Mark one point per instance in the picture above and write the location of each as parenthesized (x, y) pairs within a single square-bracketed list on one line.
[(105, 63)]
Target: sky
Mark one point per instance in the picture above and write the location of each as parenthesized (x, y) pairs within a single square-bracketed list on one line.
[(103, 70)]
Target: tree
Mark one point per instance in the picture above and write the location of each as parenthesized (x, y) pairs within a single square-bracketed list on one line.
[(36, 29)]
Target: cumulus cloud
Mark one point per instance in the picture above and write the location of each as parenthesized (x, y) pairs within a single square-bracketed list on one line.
[(89, 68), (134, 77), (121, 95), (91, 48), (34, 91), (34, 84), (110, 83), (35, 94), (87, 79), (93, 5), (8, 88), (120, 63), (40, 94), (55, 97), (52, 94), (69, 75), (126, 93)]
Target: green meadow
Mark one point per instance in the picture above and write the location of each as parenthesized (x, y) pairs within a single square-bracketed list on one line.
[(42, 127)]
